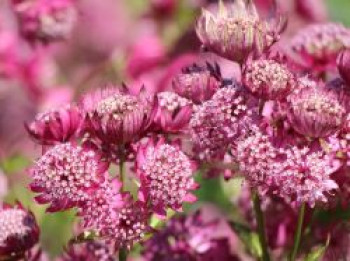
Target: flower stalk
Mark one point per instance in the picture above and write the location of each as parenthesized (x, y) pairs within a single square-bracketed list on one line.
[(298, 232), (261, 226)]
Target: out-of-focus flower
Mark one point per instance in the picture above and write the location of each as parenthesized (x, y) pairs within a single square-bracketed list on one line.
[(115, 117), (188, 238), (338, 248), (45, 20), (8, 54), (312, 10), (163, 8), (55, 126), (3, 185), (92, 250), (316, 112), (198, 84), (66, 175), (219, 121), (319, 45), (172, 112), (166, 175), (238, 32), (19, 232), (343, 62), (268, 79), (144, 59)]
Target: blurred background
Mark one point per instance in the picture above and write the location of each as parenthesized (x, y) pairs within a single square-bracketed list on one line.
[(131, 41)]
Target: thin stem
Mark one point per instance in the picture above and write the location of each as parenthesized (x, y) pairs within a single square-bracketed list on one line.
[(123, 254), (298, 233), (261, 227), (122, 168)]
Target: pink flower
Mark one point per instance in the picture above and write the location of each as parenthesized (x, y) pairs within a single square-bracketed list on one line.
[(217, 122), (268, 78), (198, 84), (66, 175), (45, 20), (115, 117), (55, 126), (236, 34), (166, 175), (315, 111), (144, 59), (313, 10), (91, 250), (172, 112), (343, 62), (19, 231), (319, 45)]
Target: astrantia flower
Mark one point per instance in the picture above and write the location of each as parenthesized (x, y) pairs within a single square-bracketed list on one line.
[(219, 121), (237, 32), (172, 113), (198, 84), (316, 112), (312, 10), (304, 176), (19, 232), (92, 251), (45, 20), (268, 79), (343, 62), (55, 126), (166, 175), (66, 175), (114, 117), (188, 238), (319, 45), (129, 223)]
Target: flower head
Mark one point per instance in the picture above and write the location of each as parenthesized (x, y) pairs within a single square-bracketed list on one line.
[(115, 117), (172, 113), (236, 34), (166, 175), (219, 121), (55, 126), (19, 231), (316, 112), (319, 45), (343, 62), (46, 20), (312, 10), (66, 175), (92, 250), (198, 84), (268, 79), (188, 238)]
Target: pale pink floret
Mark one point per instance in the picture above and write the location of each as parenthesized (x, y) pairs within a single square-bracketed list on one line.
[(315, 111), (219, 121), (268, 79), (166, 175), (66, 175)]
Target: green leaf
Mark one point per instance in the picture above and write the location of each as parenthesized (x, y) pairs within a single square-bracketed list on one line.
[(318, 252)]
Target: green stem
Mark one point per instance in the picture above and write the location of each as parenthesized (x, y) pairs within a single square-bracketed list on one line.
[(298, 233), (123, 254), (261, 227)]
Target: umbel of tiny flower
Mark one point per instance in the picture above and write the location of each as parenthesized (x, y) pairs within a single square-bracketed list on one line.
[(66, 175), (166, 175), (55, 126), (318, 45), (268, 78), (197, 83), (315, 111), (19, 232), (115, 117), (238, 31), (343, 62)]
